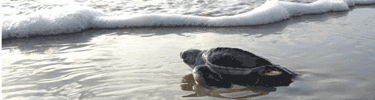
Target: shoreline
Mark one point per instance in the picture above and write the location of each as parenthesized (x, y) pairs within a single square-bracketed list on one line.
[(282, 22), (85, 18)]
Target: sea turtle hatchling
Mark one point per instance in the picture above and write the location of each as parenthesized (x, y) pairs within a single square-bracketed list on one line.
[(224, 66)]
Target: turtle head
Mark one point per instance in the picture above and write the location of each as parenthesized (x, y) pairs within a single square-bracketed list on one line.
[(189, 56)]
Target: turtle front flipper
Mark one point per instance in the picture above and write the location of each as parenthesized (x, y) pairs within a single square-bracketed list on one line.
[(206, 77)]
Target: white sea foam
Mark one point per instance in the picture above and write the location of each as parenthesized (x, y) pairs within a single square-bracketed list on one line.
[(74, 18)]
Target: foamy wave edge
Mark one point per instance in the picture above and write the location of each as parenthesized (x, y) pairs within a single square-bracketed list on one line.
[(73, 18)]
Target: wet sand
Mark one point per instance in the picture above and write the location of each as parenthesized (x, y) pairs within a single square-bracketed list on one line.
[(333, 53)]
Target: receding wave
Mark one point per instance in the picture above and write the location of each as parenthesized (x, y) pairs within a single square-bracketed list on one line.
[(74, 18)]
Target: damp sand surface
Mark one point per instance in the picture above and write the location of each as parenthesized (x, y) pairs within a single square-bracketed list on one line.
[(333, 53)]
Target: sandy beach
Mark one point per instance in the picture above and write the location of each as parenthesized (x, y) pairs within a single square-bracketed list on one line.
[(333, 53)]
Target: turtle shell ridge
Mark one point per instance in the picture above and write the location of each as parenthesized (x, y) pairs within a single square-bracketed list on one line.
[(235, 58)]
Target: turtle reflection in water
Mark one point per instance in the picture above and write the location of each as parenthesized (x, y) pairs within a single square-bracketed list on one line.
[(237, 92), (222, 67)]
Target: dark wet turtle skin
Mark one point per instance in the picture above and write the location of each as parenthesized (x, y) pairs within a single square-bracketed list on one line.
[(223, 66)]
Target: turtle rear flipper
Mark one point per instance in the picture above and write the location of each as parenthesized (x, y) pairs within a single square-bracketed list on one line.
[(273, 75), (208, 78)]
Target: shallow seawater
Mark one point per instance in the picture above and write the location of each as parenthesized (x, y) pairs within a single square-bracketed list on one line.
[(333, 53)]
